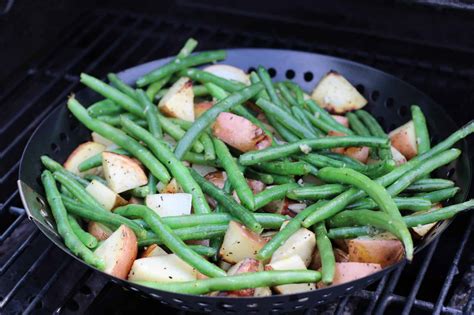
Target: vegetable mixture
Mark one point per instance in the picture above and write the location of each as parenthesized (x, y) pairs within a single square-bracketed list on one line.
[(216, 181)]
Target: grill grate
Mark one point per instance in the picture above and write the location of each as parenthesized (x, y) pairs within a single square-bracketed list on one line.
[(36, 277)]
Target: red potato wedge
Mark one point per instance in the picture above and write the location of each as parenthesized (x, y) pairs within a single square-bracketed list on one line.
[(82, 153), (244, 266), (119, 252), (165, 268), (166, 205), (280, 207), (102, 140), (104, 195), (404, 140), (99, 231), (218, 178), (178, 102), (397, 156), (350, 271), (372, 250), (359, 153), (421, 230), (337, 95), (302, 243), (339, 255), (153, 251), (198, 242), (290, 263), (240, 133), (342, 120), (229, 72), (239, 243), (122, 173), (201, 107)]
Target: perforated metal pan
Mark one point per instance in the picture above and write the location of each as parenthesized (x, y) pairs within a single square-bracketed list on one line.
[(389, 101)]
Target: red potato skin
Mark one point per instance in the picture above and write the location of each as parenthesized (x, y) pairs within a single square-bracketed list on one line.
[(200, 108), (218, 178), (147, 252), (240, 133), (255, 185), (97, 231), (342, 120), (404, 141), (248, 265), (382, 252), (350, 271), (359, 153), (339, 255), (129, 254)]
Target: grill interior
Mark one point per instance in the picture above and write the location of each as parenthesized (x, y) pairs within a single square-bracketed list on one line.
[(36, 277)]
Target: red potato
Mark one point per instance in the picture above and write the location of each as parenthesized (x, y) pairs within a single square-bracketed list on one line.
[(384, 252), (337, 95), (104, 141), (244, 266), (359, 153), (119, 252), (163, 268), (255, 185), (339, 255), (404, 140), (153, 251), (302, 243), (229, 72), (397, 156), (81, 153), (99, 231), (218, 178), (239, 243), (178, 102), (342, 120), (122, 173), (350, 271), (136, 201), (240, 133), (201, 107), (104, 195)]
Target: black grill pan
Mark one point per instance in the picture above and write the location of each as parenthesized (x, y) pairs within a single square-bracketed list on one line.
[(389, 101)]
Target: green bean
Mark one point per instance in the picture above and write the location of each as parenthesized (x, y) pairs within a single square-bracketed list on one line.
[(299, 94), (436, 215), (209, 152), (286, 119), (375, 130), (91, 177), (284, 168), (65, 191), (328, 260), (206, 77), (115, 119), (403, 203), (439, 195), (201, 232), (121, 139), (357, 125), (203, 250), (352, 232), (62, 224), (315, 192), (104, 107), (185, 51), (268, 154), (108, 218), (119, 98), (196, 158), (140, 192), (424, 169), (323, 125), (179, 64), (421, 129), (121, 86), (376, 191), (152, 182), (96, 160), (54, 166), (177, 133), (271, 194), (216, 242), (301, 115), (234, 174), (267, 82), (156, 87), (234, 208), (429, 184), (377, 219), (176, 167), (322, 114), (201, 123), (237, 282), (264, 178), (151, 114), (77, 190), (87, 239), (170, 240), (282, 179), (286, 94)]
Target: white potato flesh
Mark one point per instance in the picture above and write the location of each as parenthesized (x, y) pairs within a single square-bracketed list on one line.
[(153, 251), (301, 243), (229, 72), (178, 102), (104, 195), (239, 243), (82, 153), (404, 140), (397, 156), (166, 205), (290, 263), (119, 251), (165, 268), (337, 95), (203, 170), (102, 140), (122, 173)]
